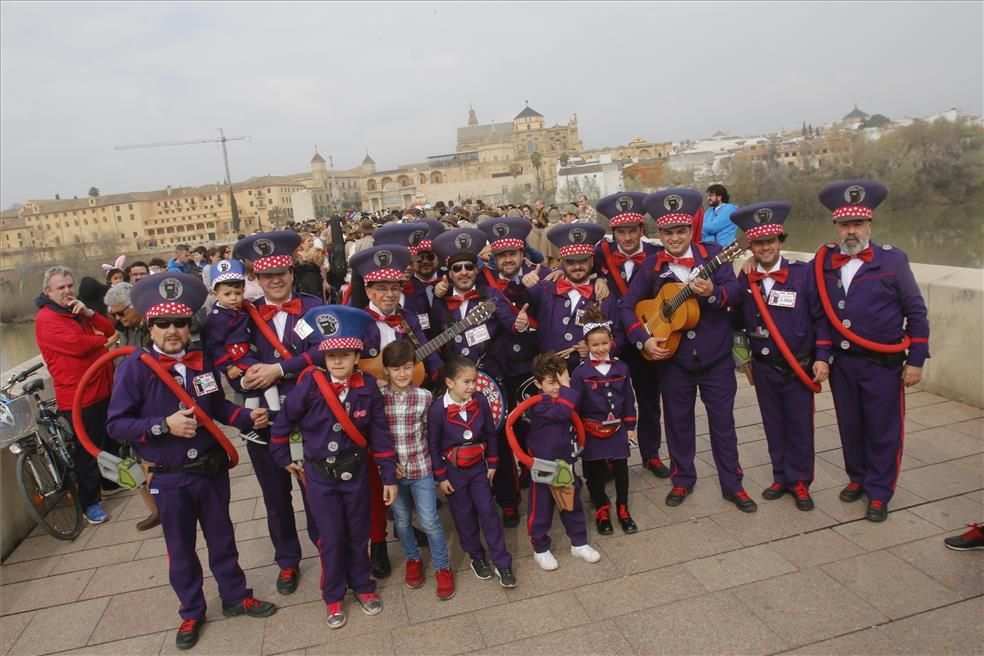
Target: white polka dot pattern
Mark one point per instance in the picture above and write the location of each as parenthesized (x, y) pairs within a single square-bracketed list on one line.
[(383, 274), (853, 212), (222, 277), (764, 231), (577, 249), (169, 309), (272, 262), (424, 245), (627, 218), (508, 245), (675, 219), (333, 343)]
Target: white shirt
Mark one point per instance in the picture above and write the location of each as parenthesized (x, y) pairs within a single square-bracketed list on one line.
[(767, 283), (179, 368), (464, 304), (387, 333), (449, 401), (850, 269), (602, 369), (341, 397), (575, 297), (429, 289), (682, 272), (629, 264), (279, 319)]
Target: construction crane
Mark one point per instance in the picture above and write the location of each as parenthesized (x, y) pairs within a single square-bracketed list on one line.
[(225, 158)]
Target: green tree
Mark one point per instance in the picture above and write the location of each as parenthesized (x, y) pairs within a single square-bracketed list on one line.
[(564, 158), (94, 192), (536, 159)]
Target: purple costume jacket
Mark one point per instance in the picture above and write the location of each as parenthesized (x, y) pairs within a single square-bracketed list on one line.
[(598, 395), (513, 352), (498, 325), (227, 327), (417, 302), (558, 324), (370, 340), (882, 304), (444, 434), (601, 265), (304, 350)]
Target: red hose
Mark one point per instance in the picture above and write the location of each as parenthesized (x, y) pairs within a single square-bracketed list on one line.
[(169, 382), (850, 336), (524, 458), (787, 354)]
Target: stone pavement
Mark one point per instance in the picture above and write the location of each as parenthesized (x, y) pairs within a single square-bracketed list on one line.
[(701, 578)]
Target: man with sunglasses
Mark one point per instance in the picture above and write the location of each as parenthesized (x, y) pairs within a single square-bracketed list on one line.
[(121, 310), (558, 305), (279, 310), (189, 474)]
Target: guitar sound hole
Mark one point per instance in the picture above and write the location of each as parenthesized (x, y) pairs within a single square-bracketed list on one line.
[(667, 311)]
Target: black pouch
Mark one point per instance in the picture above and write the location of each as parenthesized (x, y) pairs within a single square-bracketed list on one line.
[(210, 465), (343, 467)]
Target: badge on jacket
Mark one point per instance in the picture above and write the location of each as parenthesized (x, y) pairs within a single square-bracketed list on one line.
[(204, 384)]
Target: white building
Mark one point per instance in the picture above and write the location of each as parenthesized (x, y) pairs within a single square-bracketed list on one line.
[(303, 204), (595, 178)]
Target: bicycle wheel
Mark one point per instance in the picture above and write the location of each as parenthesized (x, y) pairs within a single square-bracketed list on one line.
[(56, 509)]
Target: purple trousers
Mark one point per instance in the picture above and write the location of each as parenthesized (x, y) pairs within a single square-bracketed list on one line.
[(787, 408), (645, 383), (184, 501), (541, 514), (718, 387), (276, 484), (472, 508), (869, 400), (341, 511)]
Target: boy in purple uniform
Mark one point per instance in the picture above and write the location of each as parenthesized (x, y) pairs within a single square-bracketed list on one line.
[(618, 261), (607, 405), (875, 306), (333, 465), (551, 438), (464, 456), (227, 331), (188, 470), (789, 292), (558, 307), (703, 359)]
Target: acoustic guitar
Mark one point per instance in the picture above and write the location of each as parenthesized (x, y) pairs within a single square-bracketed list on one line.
[(675, 309), (477, 315)]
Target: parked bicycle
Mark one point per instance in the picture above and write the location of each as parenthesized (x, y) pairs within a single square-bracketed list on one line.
[(41, 439)]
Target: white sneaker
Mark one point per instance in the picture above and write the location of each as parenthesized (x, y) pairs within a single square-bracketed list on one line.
[(586, 552), (546, 561)]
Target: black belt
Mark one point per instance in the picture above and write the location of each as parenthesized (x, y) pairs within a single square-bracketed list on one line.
[(210, 464), (779, 363), (343, 467), (887, 360)]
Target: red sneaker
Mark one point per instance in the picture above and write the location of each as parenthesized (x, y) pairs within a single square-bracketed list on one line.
[(972, 539), (656, 466), (415, 574), (445, 584)]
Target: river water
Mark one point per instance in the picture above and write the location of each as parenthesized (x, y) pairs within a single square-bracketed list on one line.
[(16, 344)]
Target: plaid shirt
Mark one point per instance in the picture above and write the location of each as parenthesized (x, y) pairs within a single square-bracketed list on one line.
[(406, 413)]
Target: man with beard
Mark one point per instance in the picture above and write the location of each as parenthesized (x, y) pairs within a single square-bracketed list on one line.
[(703, 360), (418, 292), (871, 299), (618, 265), (718, 227), (273, 330)]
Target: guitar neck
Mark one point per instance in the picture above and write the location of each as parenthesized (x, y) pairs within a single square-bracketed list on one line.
[(442, 339), (704, 271)]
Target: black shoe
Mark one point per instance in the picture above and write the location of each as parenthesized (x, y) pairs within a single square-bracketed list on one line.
[(877, 511), (481, 568), (773, 492), (188, 633), (510, 517), (287, 580), (420, 537), (250, 606), (851, 493), (972, 539), (656, 466), (801, 494), (677, 496), (381, 567), (506, 578), (625, 519), (602, 522), (742, 501)]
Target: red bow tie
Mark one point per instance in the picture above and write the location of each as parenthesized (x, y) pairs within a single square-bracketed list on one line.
[(666, 258), (621, 258), (779, 276), (454, 302), (354, 381), (268, 310), (191, 360), (564, 286), (840, 259), (455, 410), (598, 362), (392, 320)]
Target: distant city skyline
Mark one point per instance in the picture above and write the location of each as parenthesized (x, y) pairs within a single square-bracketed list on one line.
[(78, 79)]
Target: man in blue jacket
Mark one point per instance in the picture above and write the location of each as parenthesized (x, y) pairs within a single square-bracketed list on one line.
[(718, 227)]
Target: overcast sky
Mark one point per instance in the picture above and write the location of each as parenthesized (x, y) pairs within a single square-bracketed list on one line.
[(80, 78)]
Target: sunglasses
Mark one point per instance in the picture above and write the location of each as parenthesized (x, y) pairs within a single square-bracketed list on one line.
[(167, 323), (462, 266), (119, 315)]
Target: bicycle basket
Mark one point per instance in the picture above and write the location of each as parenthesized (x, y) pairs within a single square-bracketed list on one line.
[(18, 418)]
